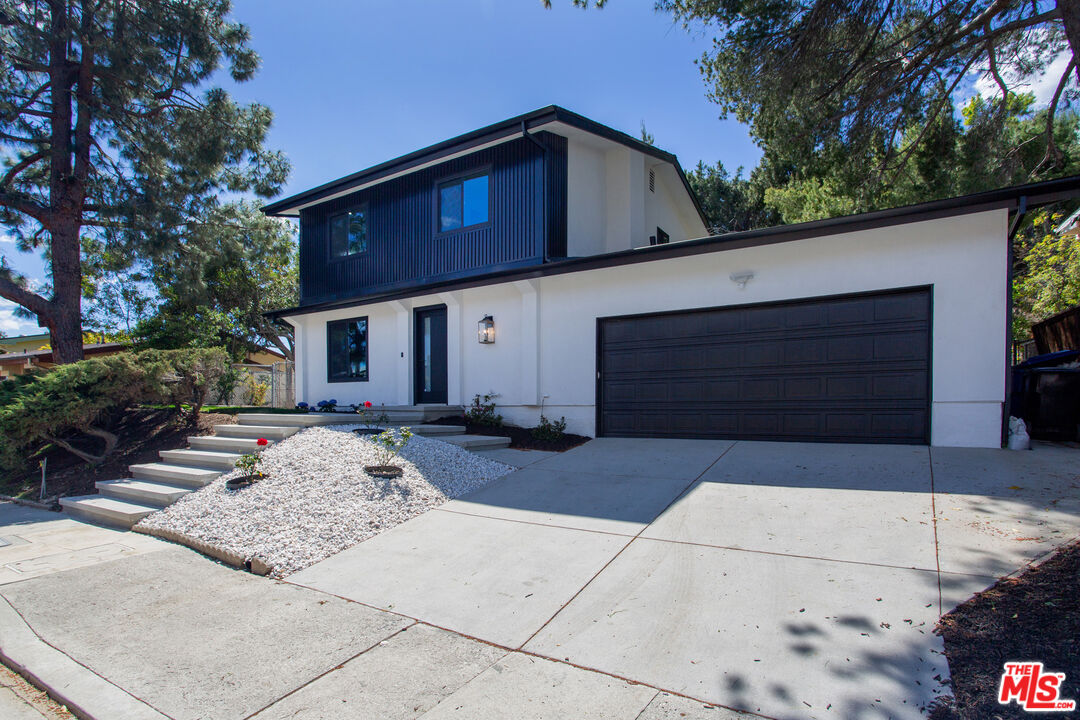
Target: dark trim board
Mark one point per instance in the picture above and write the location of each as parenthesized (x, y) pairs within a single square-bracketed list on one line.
[(844, 368)]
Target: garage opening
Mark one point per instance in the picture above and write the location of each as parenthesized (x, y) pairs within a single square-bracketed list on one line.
[(853, 368)]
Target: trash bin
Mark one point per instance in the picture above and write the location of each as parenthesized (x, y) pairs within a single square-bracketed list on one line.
[(1056, 411), (1047, 396)]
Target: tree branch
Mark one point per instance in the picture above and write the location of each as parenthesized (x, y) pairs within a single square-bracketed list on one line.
[(20, 166), (25, 204), (1053, 153), (19, 295), (74, 450)]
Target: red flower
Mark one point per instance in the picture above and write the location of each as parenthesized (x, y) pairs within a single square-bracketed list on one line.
[(261, 442), (367, 403)]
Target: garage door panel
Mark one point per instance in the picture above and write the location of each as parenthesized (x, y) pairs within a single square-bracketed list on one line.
[(854, 349), (901, 346), (898, 308), (844, 369)]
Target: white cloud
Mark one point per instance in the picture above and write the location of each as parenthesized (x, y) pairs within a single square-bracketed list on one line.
[(11, 325), (1043, 86)]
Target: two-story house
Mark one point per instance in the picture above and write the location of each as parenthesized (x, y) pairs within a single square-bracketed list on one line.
[(560, 263)]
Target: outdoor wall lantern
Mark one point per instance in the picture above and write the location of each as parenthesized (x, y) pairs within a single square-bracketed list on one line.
[(486, 330)]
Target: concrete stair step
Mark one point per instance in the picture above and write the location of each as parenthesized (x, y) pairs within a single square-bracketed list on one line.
[(201, 458), (270, 432), (108, 511), (477, 442), (226, 444), (398, 414), (141, 491), (180, 475), (437, 430)]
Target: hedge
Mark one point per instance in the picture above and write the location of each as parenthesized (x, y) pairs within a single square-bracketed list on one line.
[(69, 405)]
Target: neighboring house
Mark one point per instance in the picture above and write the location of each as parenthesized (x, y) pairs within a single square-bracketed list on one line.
[(264, 356), (17, 363), (560, 263), (24, 343)]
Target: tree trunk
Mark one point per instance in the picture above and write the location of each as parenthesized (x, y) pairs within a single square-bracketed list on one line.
[(1070, 16), (65, 328)]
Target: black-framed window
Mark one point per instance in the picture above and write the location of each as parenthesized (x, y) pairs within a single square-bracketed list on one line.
[(347, 350), (348, 233), (464, 202)]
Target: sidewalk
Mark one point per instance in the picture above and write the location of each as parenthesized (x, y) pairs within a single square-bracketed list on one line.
[(167, 633)]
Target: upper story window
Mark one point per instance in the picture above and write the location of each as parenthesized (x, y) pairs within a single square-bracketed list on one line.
[(348, 233), (463, 202)]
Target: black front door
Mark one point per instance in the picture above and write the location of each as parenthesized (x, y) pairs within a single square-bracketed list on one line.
[(429, 349)]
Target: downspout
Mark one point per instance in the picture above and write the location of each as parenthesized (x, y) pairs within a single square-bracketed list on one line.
[(1021, 211), (544, 187)]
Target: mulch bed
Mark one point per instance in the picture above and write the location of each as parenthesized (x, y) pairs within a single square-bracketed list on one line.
[(142, 433), (1034, 616), (520, 438)]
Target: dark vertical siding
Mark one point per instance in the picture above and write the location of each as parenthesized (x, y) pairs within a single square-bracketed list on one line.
[(556, 196), (403, 246)]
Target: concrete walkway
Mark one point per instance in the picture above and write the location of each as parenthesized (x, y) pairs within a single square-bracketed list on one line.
[(623, 579)]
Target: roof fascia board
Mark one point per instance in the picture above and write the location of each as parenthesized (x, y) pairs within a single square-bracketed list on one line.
[(465, 144)]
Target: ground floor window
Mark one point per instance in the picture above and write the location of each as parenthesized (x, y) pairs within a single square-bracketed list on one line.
[(347, 350)]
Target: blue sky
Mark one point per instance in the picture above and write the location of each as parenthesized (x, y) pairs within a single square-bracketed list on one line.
[(354, 83)]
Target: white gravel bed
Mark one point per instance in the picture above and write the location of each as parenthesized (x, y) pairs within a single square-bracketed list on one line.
[(316, 499)]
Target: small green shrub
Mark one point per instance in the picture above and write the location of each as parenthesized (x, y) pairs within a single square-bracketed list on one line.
[(255, 391), (482, 411), (548, 431), (227, 384), (390, 443)]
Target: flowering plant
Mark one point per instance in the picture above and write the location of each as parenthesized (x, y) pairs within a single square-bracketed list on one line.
[(302, 406), (249, 462), (370, 422), (327, 405)]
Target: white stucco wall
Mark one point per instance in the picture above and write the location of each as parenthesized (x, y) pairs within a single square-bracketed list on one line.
[(546, 328), (610, 206), (586, 199)]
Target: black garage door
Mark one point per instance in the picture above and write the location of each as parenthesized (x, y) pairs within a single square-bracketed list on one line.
[(837, 369)]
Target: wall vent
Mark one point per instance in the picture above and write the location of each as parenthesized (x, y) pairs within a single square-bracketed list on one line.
[(652, 181)]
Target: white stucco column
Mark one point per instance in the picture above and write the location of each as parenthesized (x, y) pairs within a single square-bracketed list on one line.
[(530, 340), (300, 359), (402, 386), (455, 368)]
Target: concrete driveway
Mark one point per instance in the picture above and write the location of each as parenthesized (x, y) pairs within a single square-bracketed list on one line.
[(791, 580)]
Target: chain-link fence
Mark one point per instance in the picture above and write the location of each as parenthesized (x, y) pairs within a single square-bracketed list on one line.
[(262, 385)]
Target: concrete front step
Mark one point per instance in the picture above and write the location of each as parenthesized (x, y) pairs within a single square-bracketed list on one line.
[(398, 414), (108, 511), (226, 444), (189, 477), (437, 430), (477, 442), (142, 491), (201, 458), (269, 432)]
